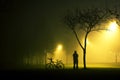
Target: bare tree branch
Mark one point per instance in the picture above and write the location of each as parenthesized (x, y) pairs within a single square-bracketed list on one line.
[(78, 39)]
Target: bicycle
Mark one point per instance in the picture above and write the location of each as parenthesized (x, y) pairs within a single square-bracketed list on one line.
[(54, 65)]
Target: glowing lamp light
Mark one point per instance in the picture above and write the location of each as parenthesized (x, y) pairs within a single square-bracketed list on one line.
[(59, 47), (58, 52), (88, 41), (113, 26)]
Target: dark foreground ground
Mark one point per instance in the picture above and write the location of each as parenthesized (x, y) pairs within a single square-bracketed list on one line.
[(66, 74)]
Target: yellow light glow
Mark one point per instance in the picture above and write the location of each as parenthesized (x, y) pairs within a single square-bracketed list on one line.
[(88, 42), (59, 47), (59, 53), (113, 26), (113, 30)]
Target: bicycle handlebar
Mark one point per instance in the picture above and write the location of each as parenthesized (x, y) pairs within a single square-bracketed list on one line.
[(51, 59)]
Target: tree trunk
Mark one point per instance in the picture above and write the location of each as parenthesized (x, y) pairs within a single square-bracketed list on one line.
[(84, 58), (84, 50)]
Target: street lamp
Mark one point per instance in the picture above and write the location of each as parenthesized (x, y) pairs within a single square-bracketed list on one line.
[(113, 26), (59, 47), (58, 51)]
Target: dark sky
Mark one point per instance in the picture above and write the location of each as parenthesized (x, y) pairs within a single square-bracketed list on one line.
[(35, 25)]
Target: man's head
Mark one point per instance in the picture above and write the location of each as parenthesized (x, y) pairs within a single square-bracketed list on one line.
[(75, 51)]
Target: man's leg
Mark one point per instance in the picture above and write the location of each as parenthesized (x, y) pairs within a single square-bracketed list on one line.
[(74, 65)]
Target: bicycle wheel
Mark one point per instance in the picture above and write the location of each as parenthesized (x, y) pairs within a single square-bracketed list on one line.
[(49, 66), (60, 66)]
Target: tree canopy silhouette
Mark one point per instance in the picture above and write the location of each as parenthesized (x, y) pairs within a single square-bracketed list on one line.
[(88, 20)]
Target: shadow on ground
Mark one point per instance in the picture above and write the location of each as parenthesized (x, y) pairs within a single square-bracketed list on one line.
[(65, 74)]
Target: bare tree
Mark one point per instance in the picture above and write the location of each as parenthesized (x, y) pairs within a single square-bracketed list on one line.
[(89, 21)]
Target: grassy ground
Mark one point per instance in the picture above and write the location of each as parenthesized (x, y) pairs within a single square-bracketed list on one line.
[(65, 74), (94, 71)]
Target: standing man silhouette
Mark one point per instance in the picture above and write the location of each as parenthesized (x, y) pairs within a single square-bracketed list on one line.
[(75, 60)]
